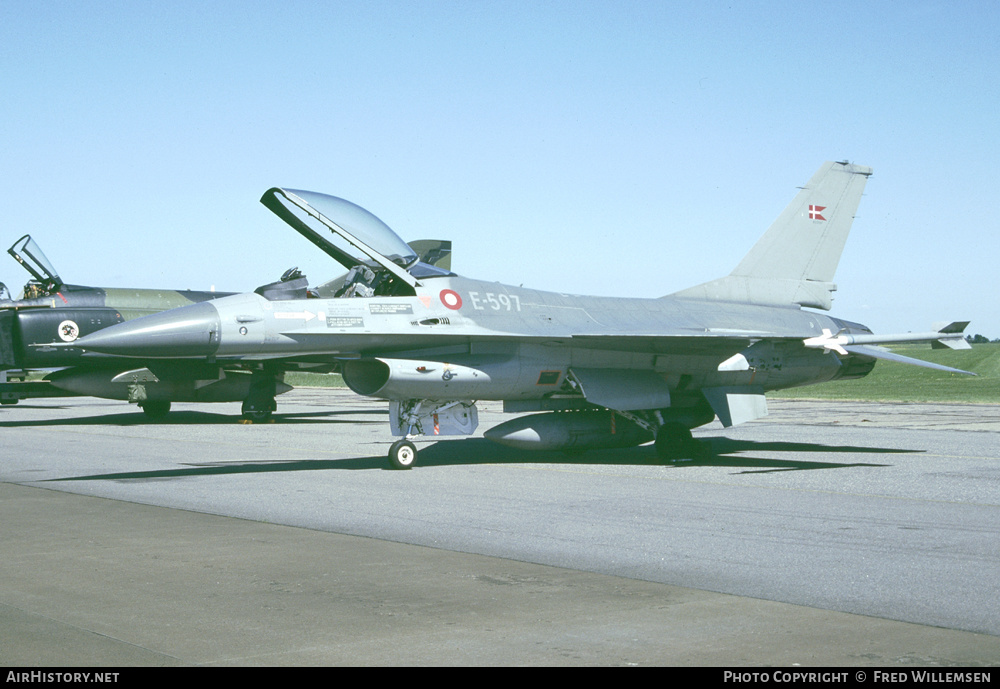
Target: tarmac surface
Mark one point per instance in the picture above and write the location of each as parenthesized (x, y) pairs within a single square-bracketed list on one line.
[(826, 534)]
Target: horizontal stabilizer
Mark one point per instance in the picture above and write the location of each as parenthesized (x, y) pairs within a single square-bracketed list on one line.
[(885, 354)]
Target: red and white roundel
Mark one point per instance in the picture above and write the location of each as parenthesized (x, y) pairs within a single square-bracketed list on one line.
[(451, 299)]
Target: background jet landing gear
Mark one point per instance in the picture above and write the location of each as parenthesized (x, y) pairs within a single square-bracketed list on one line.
[(675, 442), (260, 404), (154, 410)]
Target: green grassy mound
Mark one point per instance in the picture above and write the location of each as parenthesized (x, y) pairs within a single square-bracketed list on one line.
[(902, 383)]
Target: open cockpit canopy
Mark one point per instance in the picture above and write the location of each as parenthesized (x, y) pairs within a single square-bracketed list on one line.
[(353, 237), (45, 279)]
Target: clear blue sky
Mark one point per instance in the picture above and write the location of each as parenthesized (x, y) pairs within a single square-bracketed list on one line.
[(624, 148)]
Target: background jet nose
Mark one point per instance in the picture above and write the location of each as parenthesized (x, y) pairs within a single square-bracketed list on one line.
[(188, 331)]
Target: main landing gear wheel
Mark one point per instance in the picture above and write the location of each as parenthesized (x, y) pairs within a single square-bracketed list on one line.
[(402, 454), (256, 416), (259, 413), (155, 410), (674, 441)]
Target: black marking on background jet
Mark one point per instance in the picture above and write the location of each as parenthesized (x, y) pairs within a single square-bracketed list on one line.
[(602, 372)]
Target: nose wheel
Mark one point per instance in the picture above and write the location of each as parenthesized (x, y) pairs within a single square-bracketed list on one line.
[(402, 454), (259, 404)]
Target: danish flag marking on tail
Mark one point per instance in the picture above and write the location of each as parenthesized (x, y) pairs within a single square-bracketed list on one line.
[(814, 212)]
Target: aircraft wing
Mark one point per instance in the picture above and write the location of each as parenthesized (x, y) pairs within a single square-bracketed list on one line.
[(886, 355), (723, 345)]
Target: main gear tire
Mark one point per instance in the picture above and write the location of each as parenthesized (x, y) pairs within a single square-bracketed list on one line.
[(155, 410), (675, 442), (402, 455)]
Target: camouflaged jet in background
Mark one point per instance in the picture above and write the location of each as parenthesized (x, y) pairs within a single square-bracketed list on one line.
[(50, 312), (597, 371)]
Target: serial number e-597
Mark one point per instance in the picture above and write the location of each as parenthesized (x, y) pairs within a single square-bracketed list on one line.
[(497, 302)]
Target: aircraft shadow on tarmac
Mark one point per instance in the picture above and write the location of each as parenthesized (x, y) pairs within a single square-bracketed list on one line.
[(182, 417), (477, 451), (721, 452)]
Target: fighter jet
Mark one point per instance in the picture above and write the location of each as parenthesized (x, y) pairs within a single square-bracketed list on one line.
[(50, 313), (596, 372)]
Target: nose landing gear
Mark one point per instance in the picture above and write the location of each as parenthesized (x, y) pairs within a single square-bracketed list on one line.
[(259, 404), (402, 454)]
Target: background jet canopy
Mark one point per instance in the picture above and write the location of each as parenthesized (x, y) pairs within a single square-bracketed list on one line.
[(29, 255)]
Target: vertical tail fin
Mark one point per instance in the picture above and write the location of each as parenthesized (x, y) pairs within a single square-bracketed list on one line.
[(794, 262)]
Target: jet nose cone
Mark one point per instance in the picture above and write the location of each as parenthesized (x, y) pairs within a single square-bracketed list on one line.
[(185, 332)]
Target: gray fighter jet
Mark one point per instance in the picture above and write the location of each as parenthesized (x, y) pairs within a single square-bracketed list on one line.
[(598, 372)]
